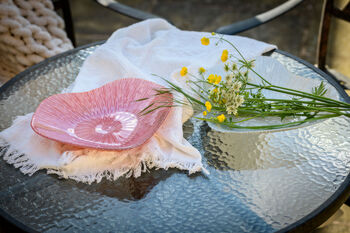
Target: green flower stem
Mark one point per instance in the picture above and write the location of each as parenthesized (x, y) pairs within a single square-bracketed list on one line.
[(269, 127), (289, 101), (179, 89), (198, 93), (324, 109), (283, 88), (282, 113), (314, 107), (255, 109), (311, 95), (302, 109), (245, 61), (307, 107), (301, 94), (158, 107)]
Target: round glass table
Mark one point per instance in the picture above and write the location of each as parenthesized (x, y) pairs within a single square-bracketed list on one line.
[(290, 180)]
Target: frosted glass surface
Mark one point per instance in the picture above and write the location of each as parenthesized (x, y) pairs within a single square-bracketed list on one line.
[(258, 182)]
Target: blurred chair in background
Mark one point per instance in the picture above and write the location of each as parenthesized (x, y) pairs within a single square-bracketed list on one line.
[(62, 7), (228, 29), (333, 46), (31, 30)]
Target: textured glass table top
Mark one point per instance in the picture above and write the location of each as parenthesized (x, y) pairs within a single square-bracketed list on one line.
[(258, 182)]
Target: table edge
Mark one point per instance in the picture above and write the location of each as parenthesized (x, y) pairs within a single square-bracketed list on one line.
[(337, 199)]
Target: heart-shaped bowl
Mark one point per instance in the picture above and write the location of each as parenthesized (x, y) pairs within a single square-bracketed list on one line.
[(106, 118)]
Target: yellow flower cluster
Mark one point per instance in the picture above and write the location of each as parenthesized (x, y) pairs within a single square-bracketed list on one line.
[(227, 94), (205, 41), (213, 78), (221, 118), (183, 71), (224, 55), (208, 106)]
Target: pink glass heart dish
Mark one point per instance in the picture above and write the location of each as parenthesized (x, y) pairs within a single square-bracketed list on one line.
[(107, 118)]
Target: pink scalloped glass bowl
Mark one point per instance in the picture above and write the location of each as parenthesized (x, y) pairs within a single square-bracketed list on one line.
[(107, 118)]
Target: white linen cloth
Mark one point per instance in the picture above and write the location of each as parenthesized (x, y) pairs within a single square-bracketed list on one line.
[(140, 50)]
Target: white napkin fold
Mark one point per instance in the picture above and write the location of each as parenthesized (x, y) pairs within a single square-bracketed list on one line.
[(140, 50)]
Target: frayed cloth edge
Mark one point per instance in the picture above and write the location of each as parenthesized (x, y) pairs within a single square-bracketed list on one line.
[(149, 161)]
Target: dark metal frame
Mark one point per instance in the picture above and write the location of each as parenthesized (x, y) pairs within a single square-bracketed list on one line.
[(126, 10), (228, 30), (64, 6), (260, 19), (339, 197), (329, 10), (305, 224)]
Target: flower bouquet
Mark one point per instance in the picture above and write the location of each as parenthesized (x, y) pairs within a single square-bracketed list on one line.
[(233, 99)]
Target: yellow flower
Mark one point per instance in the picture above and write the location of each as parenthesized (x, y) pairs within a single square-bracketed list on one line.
[(208, 106), (224, 58), (204, 113), (211, 78), (201, 70), (224, 55), (215, 90), (221, 118), (217, 79), (213, 33), (205, 41), (183, 71)]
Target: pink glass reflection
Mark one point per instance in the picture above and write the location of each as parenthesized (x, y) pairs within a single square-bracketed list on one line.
[(105, 118)]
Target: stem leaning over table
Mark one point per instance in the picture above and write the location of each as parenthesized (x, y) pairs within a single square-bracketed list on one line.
[(299, 93), (234, 96), (336, 108), (269, 127)]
